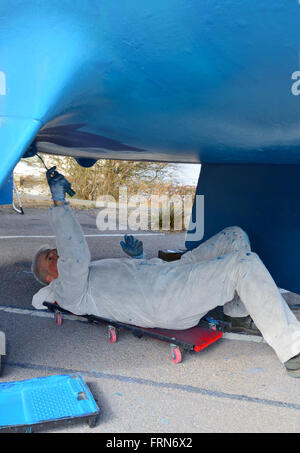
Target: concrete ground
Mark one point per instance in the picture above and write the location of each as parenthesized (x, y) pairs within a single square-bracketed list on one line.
[(232, 386)]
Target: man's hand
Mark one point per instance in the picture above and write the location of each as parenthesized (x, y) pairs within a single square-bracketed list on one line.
[(58, 185), (132, 246)]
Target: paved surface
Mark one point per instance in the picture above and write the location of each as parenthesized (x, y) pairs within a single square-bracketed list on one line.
[(233, 386)]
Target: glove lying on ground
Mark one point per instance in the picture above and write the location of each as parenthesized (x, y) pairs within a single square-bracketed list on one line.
[(132, 247)]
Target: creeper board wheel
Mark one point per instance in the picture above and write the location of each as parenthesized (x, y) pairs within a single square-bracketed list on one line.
[(112, 334), (58, 319), (176, 355)]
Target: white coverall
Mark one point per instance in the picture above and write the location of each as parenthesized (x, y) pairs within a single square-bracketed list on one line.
[(171, 295)]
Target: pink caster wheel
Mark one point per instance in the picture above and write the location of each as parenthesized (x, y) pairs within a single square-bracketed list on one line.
[(176, 355), (112, 334), (58, 319)]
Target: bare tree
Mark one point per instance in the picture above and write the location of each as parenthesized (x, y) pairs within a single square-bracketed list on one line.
[(106, 176)]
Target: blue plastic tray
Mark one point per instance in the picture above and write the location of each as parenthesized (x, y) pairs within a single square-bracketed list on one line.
[(35, 403)]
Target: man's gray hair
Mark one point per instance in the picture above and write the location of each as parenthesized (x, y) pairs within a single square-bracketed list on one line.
[(34, 267)]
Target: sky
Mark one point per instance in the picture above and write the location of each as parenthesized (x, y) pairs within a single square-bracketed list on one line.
[(188, 173)]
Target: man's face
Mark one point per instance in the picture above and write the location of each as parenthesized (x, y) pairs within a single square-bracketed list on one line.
[(47, 264)]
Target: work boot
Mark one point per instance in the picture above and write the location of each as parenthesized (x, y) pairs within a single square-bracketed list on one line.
[(293, 366), (244, 324)]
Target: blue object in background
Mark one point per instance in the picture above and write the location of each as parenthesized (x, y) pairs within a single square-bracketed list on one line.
[(6, 191), (47, 399)]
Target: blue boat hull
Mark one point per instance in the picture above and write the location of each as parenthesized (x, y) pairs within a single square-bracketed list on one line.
[(183, 81)]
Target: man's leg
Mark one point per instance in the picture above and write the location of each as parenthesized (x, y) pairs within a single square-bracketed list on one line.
[(231, 239), (262, 300)]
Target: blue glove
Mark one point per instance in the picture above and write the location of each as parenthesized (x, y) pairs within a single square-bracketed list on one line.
[(132, 247), (58, 184)]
